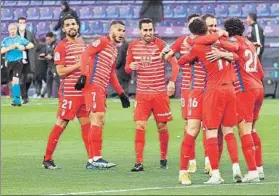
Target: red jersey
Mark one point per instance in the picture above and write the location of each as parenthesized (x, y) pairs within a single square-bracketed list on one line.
[(67, 53), (151, 73), (98, 63), (217, 73), (248, 67)]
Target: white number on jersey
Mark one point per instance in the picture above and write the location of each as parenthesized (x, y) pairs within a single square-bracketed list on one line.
[(251, 63), (66, 104)]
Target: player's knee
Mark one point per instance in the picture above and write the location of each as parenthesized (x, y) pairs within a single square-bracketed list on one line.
[(162, 126), (97, 118), (61, 122), (141, 125)]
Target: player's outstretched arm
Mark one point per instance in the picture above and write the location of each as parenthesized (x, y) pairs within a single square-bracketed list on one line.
[(186, 58), (230, 44), (130, 65), (216, 54)]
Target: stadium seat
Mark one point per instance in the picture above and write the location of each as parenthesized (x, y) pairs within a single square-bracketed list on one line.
[(274, 9), (168, 11), (52, 25), (180, 12), (106, 25), (4, 28), (262, 23), (23, 3), (263, 9), (126, 12), (235, 10), (193, 9), (112, 12), (37, 3), (30, 27), (7, 14), (76, 9), (48, 2), (56, 12), (128, 2), (115, 2), (96, 27), (46, 13), (86, 13), (42, 28), (208, 9), (99, 12), (136, 11), (131, 23), (166, 23), (73, 2), (84, 28), (10, 3), (89, 2), (19, 12), (248, 8), (221, 10), (169, 2), (33, 13)]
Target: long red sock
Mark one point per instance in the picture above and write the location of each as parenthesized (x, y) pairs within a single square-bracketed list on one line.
[(164, 142), (186, 150), (248, 151), (193, 151), (139, 144), (220, 143), (204, 140), (213, 152), (95, 141), (84, 132), (258, 145), (232, 147), (52, 141)]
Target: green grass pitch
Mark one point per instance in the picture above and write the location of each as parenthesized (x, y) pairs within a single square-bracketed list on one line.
[(25, 131)]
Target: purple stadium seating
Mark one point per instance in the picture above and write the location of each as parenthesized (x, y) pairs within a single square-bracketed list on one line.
[(33, 13), (136, 11), (180, 12), (99, 12), (30, 27), (168, 11), (96, 27), (56, 12), (248, 8), (42, 28), (208, 9), (106, 25), (49, 2), (84, 28), (73, 2), (7, 14), (19, 12), (274, 9), (23, 3), (86, 13), (36, 3), (193, 9), (10, 3), (112, 12), (4, 28), (126, 12), (235, 10), (263, 10), (46, 13), (221, 10)]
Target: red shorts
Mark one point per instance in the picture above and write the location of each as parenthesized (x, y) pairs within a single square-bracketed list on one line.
[(184, 103), (248, 104), (219, 107), (195, 102), (71, 107), (95, 98), (158, 103)]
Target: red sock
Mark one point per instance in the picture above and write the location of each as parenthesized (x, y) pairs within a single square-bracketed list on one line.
[(84, 132), (204, 143), (164, 142), (95, 141), (193, 151), (213, 152), (52, 141), (186, 150), (139, 144), (248, 151), (220, 143), (232, 147), (258, 145)]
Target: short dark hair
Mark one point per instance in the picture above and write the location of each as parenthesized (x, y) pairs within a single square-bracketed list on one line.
[(205, 16), (198, 27), (69, 16), (145, 20), (21, 18), (117, 22), (234, 26), (49, 34), (253, 16), (192, 16)]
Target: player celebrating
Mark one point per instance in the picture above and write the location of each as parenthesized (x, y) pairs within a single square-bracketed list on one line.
[(71, 101), (143, 57), (182, 46), (249, 96), (219, 93), (98, 64)]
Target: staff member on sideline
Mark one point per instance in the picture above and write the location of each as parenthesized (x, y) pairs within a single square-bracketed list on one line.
[(13, 45)]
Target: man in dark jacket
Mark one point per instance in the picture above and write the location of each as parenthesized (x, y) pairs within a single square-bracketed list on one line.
[(29, 59), (152, 9), (256, 34), (66, 10)]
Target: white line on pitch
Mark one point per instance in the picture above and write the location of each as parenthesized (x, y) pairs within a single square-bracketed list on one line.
[(160, 188)]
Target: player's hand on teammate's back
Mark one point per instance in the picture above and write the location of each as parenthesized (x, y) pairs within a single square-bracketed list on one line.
[(124, 100), (81, 82), (170, 88), (134, 66), (214, 55)]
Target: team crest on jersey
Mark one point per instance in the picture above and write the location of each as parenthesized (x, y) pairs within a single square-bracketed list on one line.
[(96, 43), (146, 60), (57, 56)]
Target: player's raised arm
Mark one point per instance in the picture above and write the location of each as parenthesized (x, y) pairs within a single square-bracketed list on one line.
[(174, 48), (187, 58)]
